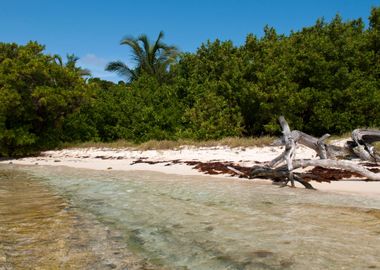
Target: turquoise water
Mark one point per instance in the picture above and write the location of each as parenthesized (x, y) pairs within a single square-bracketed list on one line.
[(145, 220)]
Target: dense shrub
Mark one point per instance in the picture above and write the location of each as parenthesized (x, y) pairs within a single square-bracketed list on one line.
[(36, 94), (323, 78)]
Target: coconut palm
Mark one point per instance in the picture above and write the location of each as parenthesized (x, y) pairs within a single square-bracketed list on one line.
[(71, 64), (153, 59)]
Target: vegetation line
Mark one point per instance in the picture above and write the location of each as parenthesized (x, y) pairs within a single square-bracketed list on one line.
[(232, 142), (324, 79)]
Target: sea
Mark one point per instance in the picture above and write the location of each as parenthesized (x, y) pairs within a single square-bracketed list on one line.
[(66, 218)]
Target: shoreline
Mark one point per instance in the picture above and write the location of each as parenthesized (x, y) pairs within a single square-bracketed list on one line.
[(184, 161)]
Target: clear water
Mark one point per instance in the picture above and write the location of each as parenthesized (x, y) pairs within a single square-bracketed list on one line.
[(84, 219)]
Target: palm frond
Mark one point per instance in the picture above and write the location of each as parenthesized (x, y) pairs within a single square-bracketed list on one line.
[(57, 59), (153, 59), (158, 44), (84, 72), (168, 57), (71, 61), (133, 43), (145, 42), (146, 63), (121, 69), (72, 58)]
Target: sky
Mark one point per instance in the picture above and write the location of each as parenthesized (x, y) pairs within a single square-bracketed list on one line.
[(92, 30)]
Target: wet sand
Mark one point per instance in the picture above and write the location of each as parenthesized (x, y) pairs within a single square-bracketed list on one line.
[(41, 230)]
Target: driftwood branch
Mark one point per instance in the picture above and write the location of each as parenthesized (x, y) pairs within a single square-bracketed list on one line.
[(363, 147), (360, 147), (290, 148), (279, 175), (341, 164)]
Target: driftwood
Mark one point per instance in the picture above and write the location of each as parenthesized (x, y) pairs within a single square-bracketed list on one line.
[(341, 164), (361, 147), (289, 153), (279, 175)]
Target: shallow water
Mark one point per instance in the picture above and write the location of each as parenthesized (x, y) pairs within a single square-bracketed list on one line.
[(61, 218)]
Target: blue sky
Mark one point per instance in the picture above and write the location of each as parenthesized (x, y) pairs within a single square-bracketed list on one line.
[(93, 29)]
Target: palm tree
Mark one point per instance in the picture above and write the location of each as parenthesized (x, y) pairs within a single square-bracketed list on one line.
[(153, 59), (71, 64)]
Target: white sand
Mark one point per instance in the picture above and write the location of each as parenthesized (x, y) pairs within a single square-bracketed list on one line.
[(122, 159)]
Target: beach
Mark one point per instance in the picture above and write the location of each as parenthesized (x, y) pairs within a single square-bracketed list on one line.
[(104, 208), (185, 160)]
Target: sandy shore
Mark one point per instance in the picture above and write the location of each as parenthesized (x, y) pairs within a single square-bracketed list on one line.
[(177, 162)]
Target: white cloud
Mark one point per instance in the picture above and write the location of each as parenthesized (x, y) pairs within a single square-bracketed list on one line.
[(92, 60), (97, 66)]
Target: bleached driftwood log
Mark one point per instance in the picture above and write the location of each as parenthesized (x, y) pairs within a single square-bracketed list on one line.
[(323, 149), (360, 147), (278, 175), (341, 164), (290, 149)]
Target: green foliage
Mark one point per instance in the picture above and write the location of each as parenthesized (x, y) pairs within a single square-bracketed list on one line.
[(138, 112), (210, 117), (153, 59), (36, 95), (208, 87), (154, 109), (324, 78)]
